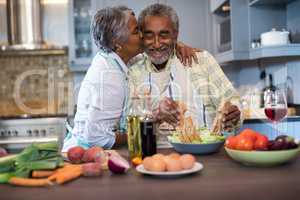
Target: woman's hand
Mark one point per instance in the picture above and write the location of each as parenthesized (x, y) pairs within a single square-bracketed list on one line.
[(186, 54)]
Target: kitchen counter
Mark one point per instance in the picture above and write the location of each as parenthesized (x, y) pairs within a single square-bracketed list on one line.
[(263, 120), (221, 178), (288, 126)]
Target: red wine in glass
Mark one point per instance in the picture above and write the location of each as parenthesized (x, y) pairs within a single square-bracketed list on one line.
[(275, 106), (275, 114)]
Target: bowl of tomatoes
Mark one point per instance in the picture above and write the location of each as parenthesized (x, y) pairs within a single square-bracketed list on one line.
[(255, 149)]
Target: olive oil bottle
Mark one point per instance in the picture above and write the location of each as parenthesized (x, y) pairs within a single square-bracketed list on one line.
[(134, 130)]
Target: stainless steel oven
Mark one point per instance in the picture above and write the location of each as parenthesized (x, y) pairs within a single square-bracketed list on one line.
[(18, 132)]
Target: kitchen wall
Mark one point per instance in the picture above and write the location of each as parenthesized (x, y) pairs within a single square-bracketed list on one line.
[(194, 22), (39, 84), (55, 21)]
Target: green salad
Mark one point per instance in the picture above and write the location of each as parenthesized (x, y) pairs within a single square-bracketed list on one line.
[(203, 136)]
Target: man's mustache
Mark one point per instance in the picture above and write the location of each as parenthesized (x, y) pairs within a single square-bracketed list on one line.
[(161, 49)]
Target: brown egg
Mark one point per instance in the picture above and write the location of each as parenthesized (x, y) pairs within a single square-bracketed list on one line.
[(166, 158), (158, 156), (147, 162), (173, 165), (174, 155), (187, 161), (158, 165)]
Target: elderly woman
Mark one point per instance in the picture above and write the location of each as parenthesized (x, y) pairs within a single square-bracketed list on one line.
[(103, 91)]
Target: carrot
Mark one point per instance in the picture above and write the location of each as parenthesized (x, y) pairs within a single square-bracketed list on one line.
[(68, 168), (65, 174), (29, 182), (42, 173), (68, 176)]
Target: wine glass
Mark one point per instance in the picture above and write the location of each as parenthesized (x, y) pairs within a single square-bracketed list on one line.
[(275, 106)]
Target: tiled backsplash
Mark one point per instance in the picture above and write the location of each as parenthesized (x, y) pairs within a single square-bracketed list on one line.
[(39, 84)]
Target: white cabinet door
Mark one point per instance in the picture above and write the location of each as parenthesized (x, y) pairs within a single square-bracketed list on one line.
[(194, 24)]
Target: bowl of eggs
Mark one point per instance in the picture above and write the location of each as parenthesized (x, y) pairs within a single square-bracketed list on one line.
[(172, 164)]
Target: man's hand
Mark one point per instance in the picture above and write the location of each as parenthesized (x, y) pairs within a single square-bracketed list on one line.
[(231, 118), (186, 54), (167, 111)]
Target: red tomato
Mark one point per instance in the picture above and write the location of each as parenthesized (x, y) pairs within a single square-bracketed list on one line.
[(261, 143), (244, 143), (249, 133), (231, 142), (248, 145)]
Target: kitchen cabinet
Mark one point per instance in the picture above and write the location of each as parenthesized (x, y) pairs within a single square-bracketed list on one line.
[(269, 2), (247, 20), (279, 14), (81, 49), (231, 31)]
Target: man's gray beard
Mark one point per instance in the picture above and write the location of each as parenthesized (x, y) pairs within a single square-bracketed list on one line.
[(161, 60)]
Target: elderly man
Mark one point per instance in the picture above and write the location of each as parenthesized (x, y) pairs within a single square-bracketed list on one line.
[(202, 87)]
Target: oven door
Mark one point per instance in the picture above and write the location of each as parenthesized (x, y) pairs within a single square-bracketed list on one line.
[(16, 134)]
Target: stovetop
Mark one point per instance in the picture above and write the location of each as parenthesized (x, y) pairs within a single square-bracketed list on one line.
[(18, 132)]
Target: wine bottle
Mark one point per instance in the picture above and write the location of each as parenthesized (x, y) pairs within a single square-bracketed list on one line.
[(269, 85)]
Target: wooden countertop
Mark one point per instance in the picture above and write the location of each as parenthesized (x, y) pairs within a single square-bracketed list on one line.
[(221, 178)]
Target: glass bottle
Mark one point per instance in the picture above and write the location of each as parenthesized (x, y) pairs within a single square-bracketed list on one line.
[(133, 130), (269, 86), (147, 124), (262, 86)]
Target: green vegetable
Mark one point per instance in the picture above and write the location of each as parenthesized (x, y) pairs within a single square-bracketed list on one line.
[(7, 163), (4, 177), (34, 157)]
